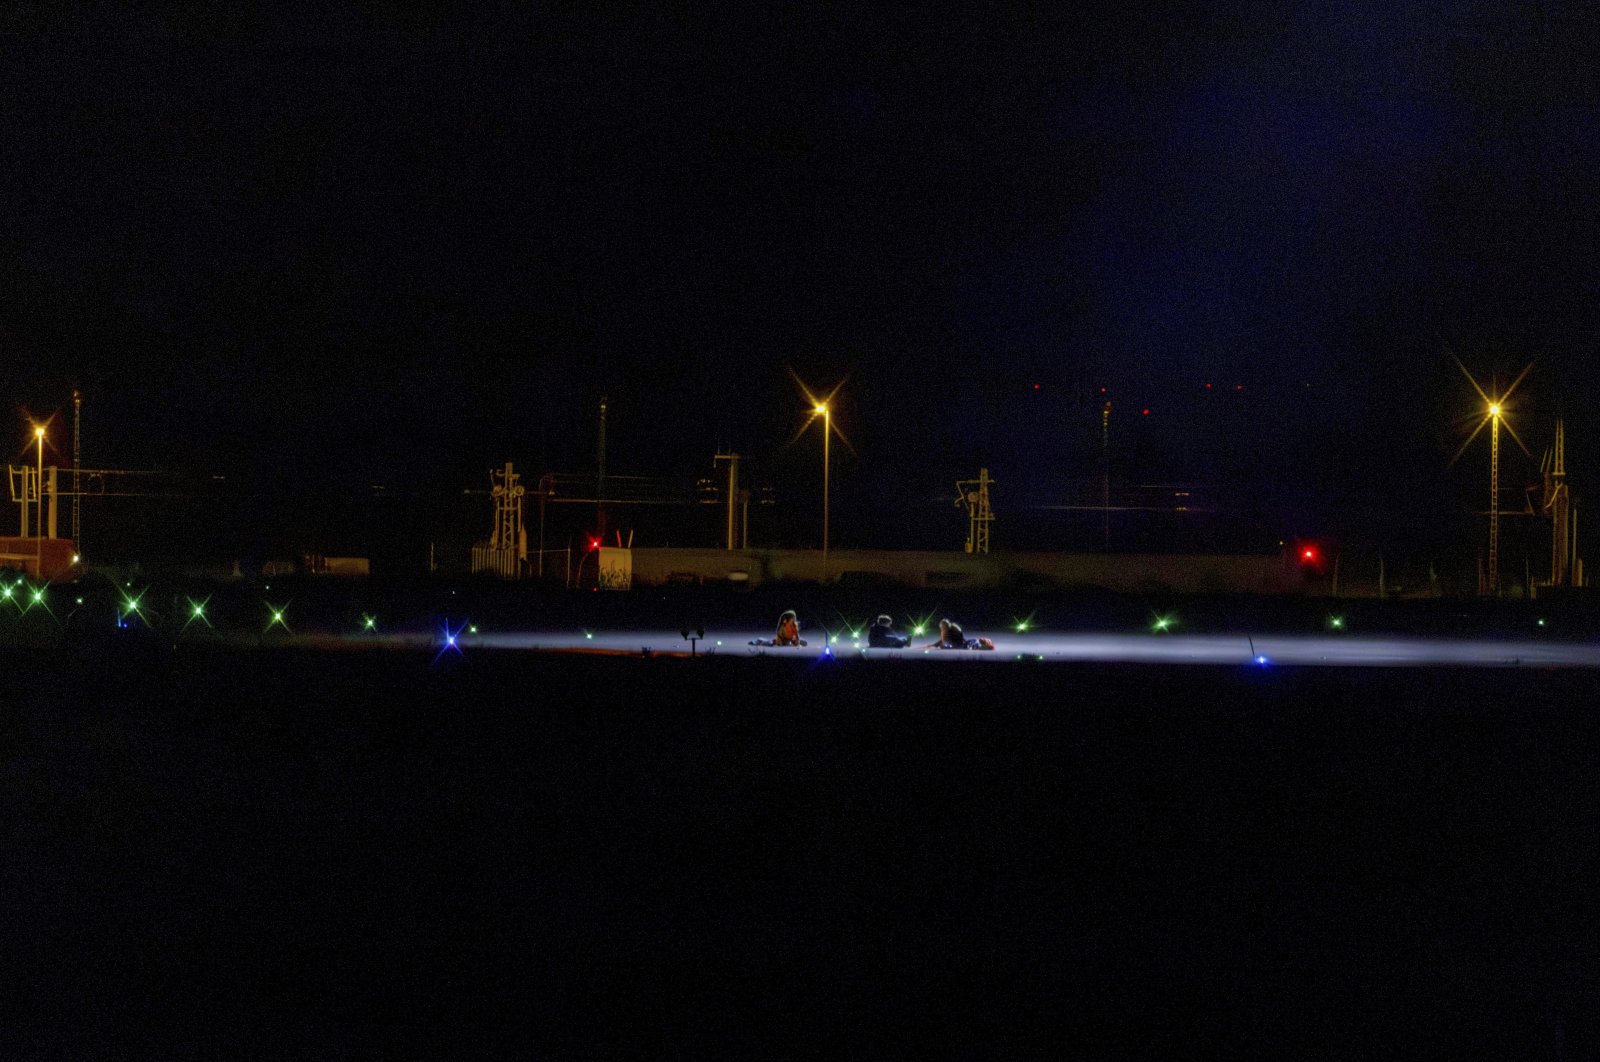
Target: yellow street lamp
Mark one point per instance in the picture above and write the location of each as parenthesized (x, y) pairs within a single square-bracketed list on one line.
[(827, 430), (821, 406), (38, 517)]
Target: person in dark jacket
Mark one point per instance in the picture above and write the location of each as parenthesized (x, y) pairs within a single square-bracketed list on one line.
[(883, 636), (951, 636)]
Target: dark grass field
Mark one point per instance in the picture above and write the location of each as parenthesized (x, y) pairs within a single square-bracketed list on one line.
[(273, 854)]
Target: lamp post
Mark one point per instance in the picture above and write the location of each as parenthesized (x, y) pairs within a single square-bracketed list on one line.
[(1494, 499), (38, 517), (827, 429), (1494, 413)]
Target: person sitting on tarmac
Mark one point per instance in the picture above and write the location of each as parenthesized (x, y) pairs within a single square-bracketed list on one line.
[(788, 632), (951, 636), (883, 636)]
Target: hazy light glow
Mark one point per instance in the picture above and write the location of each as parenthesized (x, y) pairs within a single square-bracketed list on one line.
[(197, 611), (1324, 648), (130, 607), (450, 643)]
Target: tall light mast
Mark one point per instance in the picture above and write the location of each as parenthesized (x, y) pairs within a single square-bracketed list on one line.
[(1494, 500), (1493, 416)]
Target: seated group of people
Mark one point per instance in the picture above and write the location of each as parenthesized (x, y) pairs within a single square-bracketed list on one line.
[(882, 635)]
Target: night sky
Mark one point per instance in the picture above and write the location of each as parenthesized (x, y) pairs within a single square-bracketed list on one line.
[(352, 246)]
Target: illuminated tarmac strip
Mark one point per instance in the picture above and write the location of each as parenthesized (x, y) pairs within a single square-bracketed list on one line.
[(1331, 650)]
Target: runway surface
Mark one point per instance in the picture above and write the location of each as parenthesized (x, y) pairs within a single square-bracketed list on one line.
[(1265, 650)]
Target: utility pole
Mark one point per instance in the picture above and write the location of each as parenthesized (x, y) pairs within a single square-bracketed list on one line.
[(600, 478), (77, 463), (1105, 475), (733, 497)]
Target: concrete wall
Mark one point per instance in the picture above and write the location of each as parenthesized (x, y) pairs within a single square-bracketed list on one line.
[(1133, 573)]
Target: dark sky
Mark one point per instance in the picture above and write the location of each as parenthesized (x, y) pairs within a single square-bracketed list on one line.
[(352, 244)]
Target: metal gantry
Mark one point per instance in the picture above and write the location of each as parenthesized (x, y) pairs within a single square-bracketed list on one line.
[(974, 494), (506, 553)]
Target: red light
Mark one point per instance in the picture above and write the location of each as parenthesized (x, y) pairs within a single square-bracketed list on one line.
[(1102, 390), (1238, 387), (594, 544), (1309, 554), (1146, 412), (1035, 387), (1208, 387)]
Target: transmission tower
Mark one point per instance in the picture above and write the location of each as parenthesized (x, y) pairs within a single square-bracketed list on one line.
[(506, 552), (1557, 504)]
